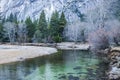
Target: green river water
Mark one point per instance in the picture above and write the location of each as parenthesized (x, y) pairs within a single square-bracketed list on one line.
[(64, 65)]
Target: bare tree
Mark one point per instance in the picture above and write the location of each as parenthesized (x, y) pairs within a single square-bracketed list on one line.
[(99, 40), (113, 29), (22, 32), (10, 31)]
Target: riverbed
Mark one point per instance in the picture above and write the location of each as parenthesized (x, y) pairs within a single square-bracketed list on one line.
[(64, 65)]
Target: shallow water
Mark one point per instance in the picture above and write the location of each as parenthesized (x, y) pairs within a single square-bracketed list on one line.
[(65, 65)]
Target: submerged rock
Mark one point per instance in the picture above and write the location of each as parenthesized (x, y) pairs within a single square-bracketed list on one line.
[(76, 68), (71, 77), (62, 77)]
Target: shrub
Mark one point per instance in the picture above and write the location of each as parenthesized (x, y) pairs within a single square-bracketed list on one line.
[(99, 40), (115, 34), (57, 38)]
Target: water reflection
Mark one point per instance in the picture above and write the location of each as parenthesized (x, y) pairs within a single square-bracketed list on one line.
[(65, 65)]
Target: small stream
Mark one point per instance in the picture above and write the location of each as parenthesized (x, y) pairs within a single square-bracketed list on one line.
[(64, 65)]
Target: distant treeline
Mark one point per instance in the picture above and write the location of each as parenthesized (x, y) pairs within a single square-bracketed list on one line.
[(40, 30)]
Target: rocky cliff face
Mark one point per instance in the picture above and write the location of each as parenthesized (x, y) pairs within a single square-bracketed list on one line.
[(32, 8), (24, 8)]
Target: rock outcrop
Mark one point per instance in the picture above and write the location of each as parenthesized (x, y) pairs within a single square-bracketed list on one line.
[(114, 73)]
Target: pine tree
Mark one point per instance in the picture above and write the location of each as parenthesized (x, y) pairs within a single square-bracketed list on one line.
[(62, 23), (35, 23), (2, 21), (30, 29), (10, 18), (43, 25), (37, 36), (57, 26), (1, 31), (15, 19), (54, 24)]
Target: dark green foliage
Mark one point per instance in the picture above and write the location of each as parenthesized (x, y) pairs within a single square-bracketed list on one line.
[(15, 19), (2, 39), (57, 26), (39, 30), (116, 9), (57, 38), (1, 32), (12, 18), (54, 24), (62, 23), (35, 23), (83, 35), (82, 17), (43, 26), (3, 20), (37, 36), (30, 28)]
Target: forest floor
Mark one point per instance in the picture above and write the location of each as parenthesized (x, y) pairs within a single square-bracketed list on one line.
[(14, 53)]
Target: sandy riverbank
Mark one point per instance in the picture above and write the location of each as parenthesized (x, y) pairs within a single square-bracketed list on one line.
[(14, 53), (73, 46), (61, 46)]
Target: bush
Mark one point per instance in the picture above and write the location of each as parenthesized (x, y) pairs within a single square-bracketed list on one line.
[(99, 40), (57, 38), (115, 34)]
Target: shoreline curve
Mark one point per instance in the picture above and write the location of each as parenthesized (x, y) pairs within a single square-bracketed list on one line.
[(15, 53)]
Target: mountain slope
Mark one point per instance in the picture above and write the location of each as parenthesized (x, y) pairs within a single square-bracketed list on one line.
[(32, 8)]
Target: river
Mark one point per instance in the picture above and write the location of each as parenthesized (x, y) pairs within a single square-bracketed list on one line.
[(64, 65)]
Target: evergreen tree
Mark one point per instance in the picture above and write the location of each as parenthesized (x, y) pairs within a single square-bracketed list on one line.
[(62, 23), (30, 29), (116, 9), (10, 18), (43, 25), (54, 25), (1, 31), (37, 36), (35, 23), (2, 20), (57, 26), (15, 19)]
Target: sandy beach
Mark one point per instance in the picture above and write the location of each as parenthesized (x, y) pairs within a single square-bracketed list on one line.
[(14, 53)]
